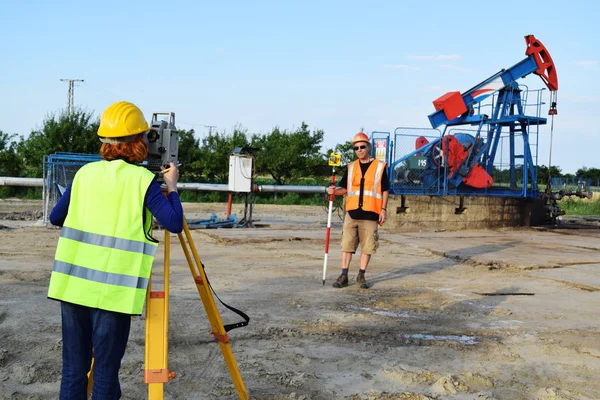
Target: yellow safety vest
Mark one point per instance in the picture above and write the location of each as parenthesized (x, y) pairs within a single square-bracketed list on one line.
[(105, 251), (372, 195)]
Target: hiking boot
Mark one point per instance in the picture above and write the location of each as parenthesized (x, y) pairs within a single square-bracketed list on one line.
[(342, 281), (361, 281)]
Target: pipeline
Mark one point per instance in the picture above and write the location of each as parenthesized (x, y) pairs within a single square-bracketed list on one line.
[(220, 187), (290, 189), (30, 182), (200, 187)]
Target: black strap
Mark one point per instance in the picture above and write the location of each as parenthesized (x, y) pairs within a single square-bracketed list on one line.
[(242, 314)]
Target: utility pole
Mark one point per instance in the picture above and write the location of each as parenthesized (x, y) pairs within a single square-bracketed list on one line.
[(70, 98), (210, 129)]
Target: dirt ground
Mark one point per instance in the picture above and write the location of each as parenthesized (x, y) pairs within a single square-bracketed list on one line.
[(502, 314)]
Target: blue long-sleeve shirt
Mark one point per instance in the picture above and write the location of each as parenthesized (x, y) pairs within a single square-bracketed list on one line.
[(167, 210)]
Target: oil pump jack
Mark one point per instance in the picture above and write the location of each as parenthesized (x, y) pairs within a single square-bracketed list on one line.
[(473, 165), (463, 163)]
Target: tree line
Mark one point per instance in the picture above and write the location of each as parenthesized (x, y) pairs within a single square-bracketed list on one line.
[(284, 157)]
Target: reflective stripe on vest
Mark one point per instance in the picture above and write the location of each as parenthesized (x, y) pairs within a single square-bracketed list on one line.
[(372, 196), (108, 241), (104, 257), (99, 276)]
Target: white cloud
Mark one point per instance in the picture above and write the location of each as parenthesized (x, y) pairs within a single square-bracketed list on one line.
[(401, 66), (587, 63), (455, 67), (439, 57)]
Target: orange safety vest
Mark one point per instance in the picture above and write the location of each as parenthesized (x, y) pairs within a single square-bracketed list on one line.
[(372, 199)]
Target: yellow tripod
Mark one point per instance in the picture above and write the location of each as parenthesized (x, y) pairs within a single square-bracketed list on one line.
[(156, 371)]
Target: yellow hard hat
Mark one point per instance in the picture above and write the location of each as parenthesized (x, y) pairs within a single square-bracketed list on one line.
[(121, 119), (360, 137)]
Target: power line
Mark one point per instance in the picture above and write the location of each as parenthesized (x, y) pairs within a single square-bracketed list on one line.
[(210, 129), (71, 94), (104, 92), (114, 96)]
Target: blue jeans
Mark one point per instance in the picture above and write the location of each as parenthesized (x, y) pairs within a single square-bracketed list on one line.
[(107, 332)]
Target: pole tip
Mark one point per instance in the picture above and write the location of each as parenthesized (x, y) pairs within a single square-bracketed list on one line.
[(323, 282)]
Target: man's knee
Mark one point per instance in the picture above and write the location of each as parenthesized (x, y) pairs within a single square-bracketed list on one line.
[(370, 243)]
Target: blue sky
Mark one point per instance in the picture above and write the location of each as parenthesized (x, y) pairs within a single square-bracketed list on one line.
[(337, 65)]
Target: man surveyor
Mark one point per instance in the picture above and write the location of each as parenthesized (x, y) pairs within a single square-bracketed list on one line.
[(366, 187)]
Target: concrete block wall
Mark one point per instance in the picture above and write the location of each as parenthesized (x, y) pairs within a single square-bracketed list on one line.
[(409, 213)]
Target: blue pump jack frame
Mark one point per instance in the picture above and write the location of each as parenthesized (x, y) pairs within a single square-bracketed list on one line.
[(508, 112)]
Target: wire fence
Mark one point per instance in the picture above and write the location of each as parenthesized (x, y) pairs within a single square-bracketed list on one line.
[(421, 161), (417, 166), (574, 183), (59, 169)]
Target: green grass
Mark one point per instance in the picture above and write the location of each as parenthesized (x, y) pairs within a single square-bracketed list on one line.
[(571, 206), (26, 193), (307, 199), (577, 206)]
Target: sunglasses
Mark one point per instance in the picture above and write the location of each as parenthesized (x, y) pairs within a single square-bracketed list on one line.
[(356, 148)]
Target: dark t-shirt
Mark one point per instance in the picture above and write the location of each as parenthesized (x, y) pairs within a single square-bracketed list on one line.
[(359, 213)]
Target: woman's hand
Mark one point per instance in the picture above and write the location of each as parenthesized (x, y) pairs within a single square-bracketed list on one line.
[(171, 176)]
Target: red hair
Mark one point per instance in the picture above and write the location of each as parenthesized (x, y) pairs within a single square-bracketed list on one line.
[(133, 152)]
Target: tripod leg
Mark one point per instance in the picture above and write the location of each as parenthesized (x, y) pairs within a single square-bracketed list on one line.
[(211, 310), (90, 379), (156, 372)]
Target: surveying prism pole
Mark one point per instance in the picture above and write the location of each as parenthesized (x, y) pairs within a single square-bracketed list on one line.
[(334, 161)]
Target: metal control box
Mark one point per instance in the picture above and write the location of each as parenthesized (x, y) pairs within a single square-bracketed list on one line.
[(240, 173)]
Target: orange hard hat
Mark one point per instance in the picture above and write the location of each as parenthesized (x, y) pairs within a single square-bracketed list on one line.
[(360, 137)]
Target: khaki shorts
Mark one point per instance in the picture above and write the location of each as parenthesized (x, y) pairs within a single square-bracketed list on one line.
[(359, 231)]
